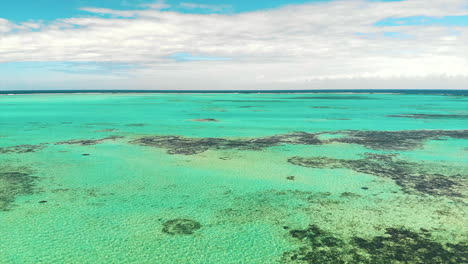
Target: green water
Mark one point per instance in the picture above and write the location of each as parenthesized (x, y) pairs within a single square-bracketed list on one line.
[(231, 178)]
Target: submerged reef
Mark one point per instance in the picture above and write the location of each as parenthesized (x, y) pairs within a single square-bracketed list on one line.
[(106, 130), (397, 245), (430, 116), (379, 140), (411, 176), (87, 142), (395, 140), (328, 107), (14, 183), (136, 125), (191, 146), (21, 149), (252, 101), (180, 227), (344, 97), (206, 120), (100, 124)]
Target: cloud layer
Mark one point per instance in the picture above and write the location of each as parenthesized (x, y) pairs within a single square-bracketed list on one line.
[(336, 40)]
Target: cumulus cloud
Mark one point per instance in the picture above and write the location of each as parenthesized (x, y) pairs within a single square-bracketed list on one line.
[(293, 44)]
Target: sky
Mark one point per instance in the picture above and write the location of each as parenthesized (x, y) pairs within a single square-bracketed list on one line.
[(233, 44)]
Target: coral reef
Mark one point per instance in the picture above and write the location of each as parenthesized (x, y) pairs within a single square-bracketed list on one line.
[(398, 245), (206, 120), (87, 142), (180, 227), (106, 130), (136, 125), (430, 116), (349, 195), (191, 146), (344, 97), (395, 140), (14, 183), (100, 124), (21, 149), (411, 176), (328, 107), (379, 140)]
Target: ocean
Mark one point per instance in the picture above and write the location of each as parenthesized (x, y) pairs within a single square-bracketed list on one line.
[(236, 177)]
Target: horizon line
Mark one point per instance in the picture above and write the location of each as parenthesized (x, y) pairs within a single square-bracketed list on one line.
[(123, 91)]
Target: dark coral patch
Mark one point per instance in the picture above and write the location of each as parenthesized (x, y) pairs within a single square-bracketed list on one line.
[(396, 246), (317, 246), (136, 125), (191, 146), (180, 227), (206, 120), (87, 142), (328, 107), (180, 145), (404, 246), (349, 195), (14, 184), (411, 176), (21, 149), (430, 116), (395, 140), (380, 140), (100, 124), (106, 130), (344, 97), (252, 101)]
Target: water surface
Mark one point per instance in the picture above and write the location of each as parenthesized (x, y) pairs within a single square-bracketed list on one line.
[(233, 178)]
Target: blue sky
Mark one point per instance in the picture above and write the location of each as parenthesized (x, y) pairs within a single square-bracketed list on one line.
[(52, 9), (424, 20), (56, 42)]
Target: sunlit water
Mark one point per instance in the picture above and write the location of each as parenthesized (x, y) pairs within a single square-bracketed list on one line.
[(231, 178)]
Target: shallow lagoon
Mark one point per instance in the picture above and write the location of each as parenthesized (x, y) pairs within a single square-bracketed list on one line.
[(233, 178)]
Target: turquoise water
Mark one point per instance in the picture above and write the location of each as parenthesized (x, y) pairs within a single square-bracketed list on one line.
[(233, 178)]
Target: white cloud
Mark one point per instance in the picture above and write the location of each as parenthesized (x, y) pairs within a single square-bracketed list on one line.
[(214, 8), (5, 25), (110, 11), (157, 5), (289, 45)]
